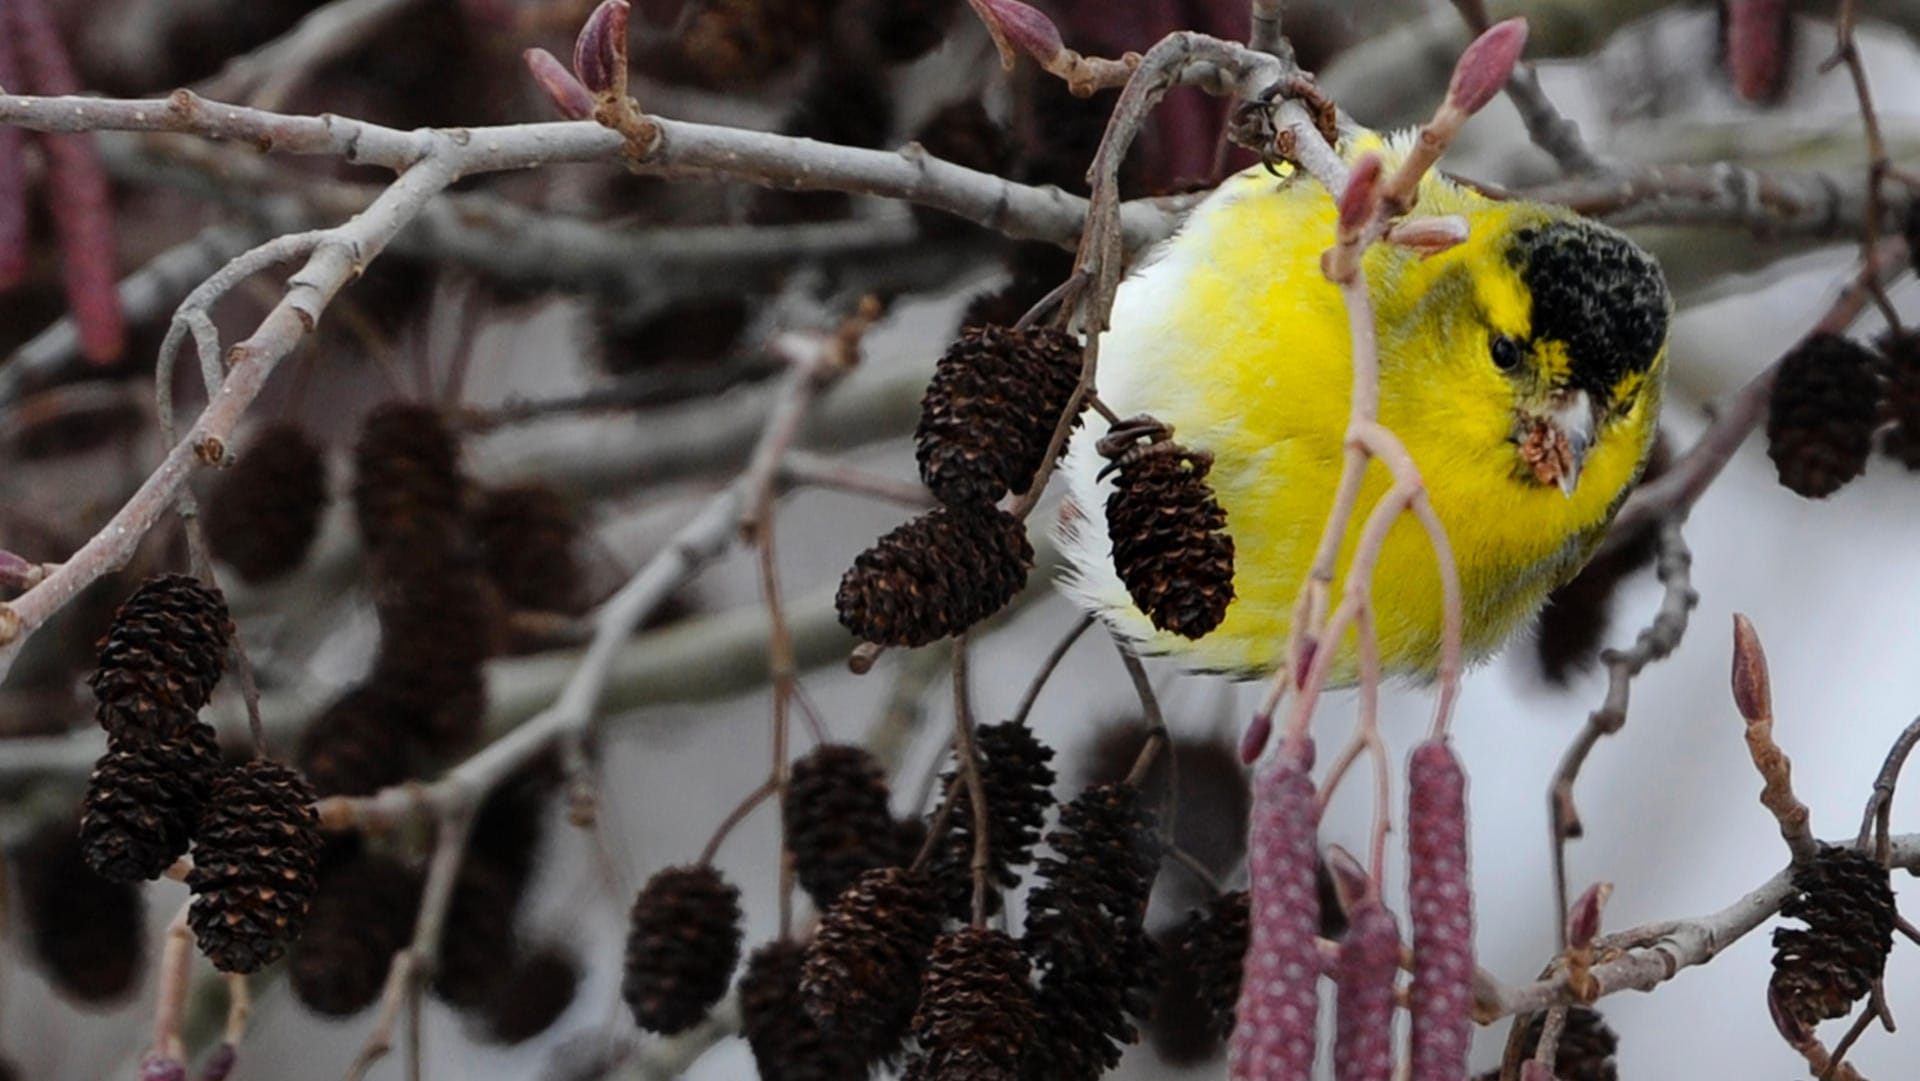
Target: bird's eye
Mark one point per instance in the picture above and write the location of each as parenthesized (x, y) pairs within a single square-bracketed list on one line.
[(1506, 353)]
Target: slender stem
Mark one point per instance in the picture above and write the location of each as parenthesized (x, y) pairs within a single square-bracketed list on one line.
[(1875, 821), (736, 816), (176, 963), (968, 753), (1047, 667)]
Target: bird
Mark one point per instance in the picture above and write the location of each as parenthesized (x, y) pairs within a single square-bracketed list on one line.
[(1522, 368)]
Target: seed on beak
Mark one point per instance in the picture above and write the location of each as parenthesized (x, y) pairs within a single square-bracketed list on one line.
[(1555, 445)]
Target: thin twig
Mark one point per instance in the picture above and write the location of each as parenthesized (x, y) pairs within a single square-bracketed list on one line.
[(1875, 820), (1655, 642), (966, 752), (1047, 667)]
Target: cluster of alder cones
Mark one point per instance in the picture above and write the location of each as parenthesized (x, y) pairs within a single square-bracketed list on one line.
[(991, 413)]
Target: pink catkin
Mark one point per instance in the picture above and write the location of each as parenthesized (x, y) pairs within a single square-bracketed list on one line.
[(1757, 47), (77, 190), (13, 170), (1278, 1013), (1363, 1026), (1442, 913)]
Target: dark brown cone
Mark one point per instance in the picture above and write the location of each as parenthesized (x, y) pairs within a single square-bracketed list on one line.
[(1214, 943), (162, 656), (436, 631), (536, 992), (862, 976), (503, 848), (263, 514), (935, 575), (144, 800), (1084, 934), (991, 409), (526, 536), (1585, 1051), (1018, 780), (89, 936), (362, 743), (1825, 406), (836, 820), (964, 134), (787, 1043), (683, 941), (1821, 970), (362, 915), (479, 938), (255, 854), (1900, 365), (407, 486), (1169, 539), (976, 1010)]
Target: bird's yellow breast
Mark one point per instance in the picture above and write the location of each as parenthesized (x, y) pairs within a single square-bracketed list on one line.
[(1233, 336)]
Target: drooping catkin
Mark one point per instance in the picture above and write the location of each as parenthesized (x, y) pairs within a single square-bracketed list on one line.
[(1363, 1005), (1279, 990), (1441, 910)]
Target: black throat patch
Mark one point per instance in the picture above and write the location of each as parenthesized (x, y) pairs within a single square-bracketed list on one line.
[(1598, 293)]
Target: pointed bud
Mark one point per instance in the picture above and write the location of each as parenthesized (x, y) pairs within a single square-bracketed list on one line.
[(1483, 69), (1752, 692), (1791, 1028), (1757, 46), (573, 100), (1350, 879), (600, 52), (1583, 918), (1362, 193), (1255, 740), (1019, 28), (1430, 236), (17, 573)]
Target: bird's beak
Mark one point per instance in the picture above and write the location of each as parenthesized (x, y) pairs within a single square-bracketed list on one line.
[(1555, 443)]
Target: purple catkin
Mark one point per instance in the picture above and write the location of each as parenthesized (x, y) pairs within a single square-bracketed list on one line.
[(1278, 1013), (77, 190), (1363, 1027), (1442, 913)]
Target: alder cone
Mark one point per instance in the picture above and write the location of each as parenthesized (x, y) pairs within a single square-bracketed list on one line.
[(1214, 945), (1821, 970), (683, 941), (976, 1012), (787, 1043), (1900, 364), (361, 743), (1170, 544), (88, 936), (256, 852), (1821, 418), (407, 487), (1085, 936), (479, 938), (836, 820), (538, 989), (1585, 1052), (144, 800), (526, 536), (161, 657), (935, 576), (862, 975), (362, 915), (1018, 780), (991, 410), (263, 514)]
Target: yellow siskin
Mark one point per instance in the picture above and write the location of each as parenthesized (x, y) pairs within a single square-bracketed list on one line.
[(1522, 369)]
